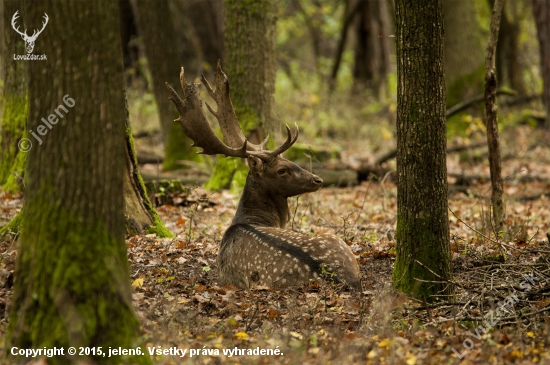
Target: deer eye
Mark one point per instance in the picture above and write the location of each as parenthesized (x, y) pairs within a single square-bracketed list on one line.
[(281, 172)]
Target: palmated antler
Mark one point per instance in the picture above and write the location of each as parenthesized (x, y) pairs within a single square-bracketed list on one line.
[(195, 124)]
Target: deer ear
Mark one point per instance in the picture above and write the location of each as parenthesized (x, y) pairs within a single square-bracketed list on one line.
[(255, 164)]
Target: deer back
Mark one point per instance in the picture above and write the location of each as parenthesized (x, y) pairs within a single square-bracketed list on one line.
[(268, 256)]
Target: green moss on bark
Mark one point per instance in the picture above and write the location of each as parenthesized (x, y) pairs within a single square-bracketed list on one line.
[(424, 248), (249, 43), (86, 305), (157, 227), (176, 150), (423, 258), (12, 163), (12, 228), (228, 173)]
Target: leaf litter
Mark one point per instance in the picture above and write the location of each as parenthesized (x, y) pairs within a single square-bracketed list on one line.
[(180, 302)]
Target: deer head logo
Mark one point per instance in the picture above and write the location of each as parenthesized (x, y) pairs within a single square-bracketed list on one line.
[(29, 40)]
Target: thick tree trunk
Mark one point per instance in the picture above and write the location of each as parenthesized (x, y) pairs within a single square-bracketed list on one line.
[(541, 12), (15, 102), (162, 57), (422, 262), (491, 121), (250, 64), (71, 281)]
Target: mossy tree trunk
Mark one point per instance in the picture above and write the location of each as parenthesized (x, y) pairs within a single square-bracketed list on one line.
[(159, 39), (71, 281), (422, 262), (249, 51), (15, 103), (140, 214), (541, 12)]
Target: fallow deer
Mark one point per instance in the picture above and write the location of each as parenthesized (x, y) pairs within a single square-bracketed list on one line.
[(255, 249)]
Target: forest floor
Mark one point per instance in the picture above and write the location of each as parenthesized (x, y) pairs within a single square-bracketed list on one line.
[(181, 304)]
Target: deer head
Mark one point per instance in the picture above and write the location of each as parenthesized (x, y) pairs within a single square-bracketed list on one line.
[(29, 40)]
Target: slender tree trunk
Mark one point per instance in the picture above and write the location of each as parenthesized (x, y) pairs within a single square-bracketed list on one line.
[(491, 120), (541, 12), (162, 57), (463, 50), (71, 280), (207, 19), (15, 102), (350, 12), (249, 46), (128, 31), (422, 262), (372, 50), (199, 32)]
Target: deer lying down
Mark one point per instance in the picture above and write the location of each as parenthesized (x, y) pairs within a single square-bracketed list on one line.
[(256, 249)]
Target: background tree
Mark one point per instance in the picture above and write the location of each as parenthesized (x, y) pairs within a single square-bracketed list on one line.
[(199, 31), (422, 235), (541, 12), (163, 61), (249, 46), (14, 112), (463, 69), (71, 280), (508, 53), (372, 48)]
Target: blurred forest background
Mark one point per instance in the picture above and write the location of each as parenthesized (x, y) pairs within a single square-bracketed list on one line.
[(335, 71), (335, 76)]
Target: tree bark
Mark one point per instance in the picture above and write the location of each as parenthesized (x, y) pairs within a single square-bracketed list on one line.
[(162, 57), (541, 12), (139, 212), (249, 46), (422, 264), (15, 102), (491, 121), (71, 280)]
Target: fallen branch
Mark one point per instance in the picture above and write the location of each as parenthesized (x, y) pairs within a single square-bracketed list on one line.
[(376, 168), (466, 104)]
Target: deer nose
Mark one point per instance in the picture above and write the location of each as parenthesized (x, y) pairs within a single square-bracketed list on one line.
[(317, 180)]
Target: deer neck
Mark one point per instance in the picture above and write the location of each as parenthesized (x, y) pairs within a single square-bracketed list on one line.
[(259, 208)]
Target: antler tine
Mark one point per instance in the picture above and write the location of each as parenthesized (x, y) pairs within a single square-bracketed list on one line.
[(290, 140), (208, 87)]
